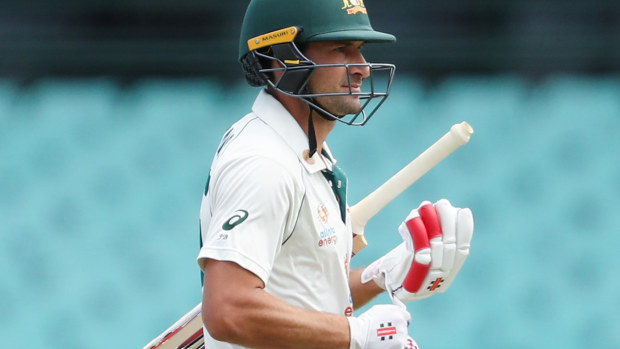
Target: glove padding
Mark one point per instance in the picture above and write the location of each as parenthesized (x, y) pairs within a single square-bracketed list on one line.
[(382, 326), (436, 243)]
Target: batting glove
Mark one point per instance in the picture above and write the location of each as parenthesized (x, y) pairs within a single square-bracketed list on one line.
[(383, 326), (436, 243), (411, 344)]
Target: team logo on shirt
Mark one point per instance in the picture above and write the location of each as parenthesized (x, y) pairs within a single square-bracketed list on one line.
[(238, 217), (323, 213)]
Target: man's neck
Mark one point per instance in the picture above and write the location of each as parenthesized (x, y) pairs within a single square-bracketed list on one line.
[(301, 111)]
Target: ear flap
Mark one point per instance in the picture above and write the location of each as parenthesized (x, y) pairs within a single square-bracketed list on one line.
[(251, 68), (298, 69)]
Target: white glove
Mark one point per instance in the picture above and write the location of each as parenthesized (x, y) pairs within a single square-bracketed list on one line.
[(383, 326), (436, 243), (411, 344)]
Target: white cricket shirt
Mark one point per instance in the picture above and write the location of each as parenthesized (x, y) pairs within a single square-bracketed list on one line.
[(274, 213)]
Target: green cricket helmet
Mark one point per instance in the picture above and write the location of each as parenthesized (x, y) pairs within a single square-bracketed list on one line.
[(277, 30)]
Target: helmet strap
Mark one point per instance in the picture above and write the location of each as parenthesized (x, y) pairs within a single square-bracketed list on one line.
[(311, 135), (312, 143)]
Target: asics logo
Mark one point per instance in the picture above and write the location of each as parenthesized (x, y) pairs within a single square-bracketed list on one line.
[(238, 217)]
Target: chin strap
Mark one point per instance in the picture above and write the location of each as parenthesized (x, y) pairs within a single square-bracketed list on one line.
[(311, 135)]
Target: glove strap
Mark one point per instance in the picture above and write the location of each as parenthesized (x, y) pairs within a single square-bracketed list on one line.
[(358, 336)]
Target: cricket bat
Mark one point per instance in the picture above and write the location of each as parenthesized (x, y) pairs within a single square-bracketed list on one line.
[(186, 333), (368, 207)]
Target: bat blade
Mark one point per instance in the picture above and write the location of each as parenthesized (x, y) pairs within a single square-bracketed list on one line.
[(185, 333), (368, 207)]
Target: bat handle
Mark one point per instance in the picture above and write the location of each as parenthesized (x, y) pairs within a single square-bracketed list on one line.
[(365, 209), (359, 243)]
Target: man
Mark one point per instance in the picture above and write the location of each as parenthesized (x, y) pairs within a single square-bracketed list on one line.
[(275, 231)]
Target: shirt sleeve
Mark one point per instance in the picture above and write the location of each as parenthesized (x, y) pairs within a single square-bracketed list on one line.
[(246, 213)]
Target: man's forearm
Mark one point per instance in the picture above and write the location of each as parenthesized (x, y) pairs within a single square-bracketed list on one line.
[(236, 309), (263, 321)]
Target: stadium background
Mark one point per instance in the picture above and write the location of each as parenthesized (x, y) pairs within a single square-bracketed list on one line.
[(110, 112)]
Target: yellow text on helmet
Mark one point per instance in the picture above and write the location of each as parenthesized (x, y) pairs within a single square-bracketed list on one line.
[(275, 37)]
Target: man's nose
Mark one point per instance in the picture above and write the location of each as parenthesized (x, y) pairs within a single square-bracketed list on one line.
[(361, 66)]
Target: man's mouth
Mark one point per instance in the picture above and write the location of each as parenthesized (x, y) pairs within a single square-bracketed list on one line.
[(354, 88)]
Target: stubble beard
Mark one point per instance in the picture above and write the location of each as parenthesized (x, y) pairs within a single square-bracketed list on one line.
[(339, 105)]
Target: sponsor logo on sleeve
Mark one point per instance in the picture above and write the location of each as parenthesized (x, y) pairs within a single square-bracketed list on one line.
[(238, 217)]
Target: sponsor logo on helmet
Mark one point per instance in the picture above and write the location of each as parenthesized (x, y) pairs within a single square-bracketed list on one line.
[(354, 6), (272, 38)]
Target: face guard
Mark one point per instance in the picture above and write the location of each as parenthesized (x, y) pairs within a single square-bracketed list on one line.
[(297, 69)]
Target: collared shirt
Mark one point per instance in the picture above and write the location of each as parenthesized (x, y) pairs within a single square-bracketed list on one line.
[(271, 211)]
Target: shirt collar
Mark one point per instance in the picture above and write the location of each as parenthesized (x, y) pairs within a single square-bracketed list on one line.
[(273, 113)]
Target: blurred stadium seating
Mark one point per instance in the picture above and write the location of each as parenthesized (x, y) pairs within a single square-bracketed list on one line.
[(110, 113), (101, 180)]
